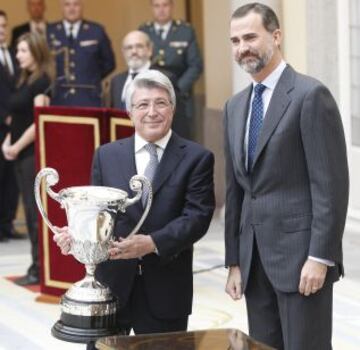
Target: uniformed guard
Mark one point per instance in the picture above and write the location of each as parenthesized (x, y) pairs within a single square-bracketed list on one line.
[(84, 57), (175, 48)]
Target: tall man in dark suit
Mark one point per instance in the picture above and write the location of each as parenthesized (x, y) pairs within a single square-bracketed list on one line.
[(287, 191), (8, 186), (151, 273), (37, 23), (175, 48), (84, 57)]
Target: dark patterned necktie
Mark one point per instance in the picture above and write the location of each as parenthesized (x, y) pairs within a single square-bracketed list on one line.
[(256, 120), (151, 167)]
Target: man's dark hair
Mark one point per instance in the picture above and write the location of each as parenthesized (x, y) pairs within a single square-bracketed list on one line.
[(3, 14), (269, 18)]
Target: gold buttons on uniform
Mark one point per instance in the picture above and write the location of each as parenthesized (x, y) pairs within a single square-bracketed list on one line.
[(72, 77), (161, 52), (72, 91), (161, 63), (72, 64), (72, 52)]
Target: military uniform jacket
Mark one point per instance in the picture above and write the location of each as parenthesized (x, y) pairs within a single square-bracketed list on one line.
[(178, 53), (81, 65)]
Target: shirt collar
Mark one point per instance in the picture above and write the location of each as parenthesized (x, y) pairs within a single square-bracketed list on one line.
[(162, 143), (165, 26), (76, 25), (271, 80), (40, 24), (145, 67)]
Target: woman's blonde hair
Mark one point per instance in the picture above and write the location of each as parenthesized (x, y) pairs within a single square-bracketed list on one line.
[(45, 63)]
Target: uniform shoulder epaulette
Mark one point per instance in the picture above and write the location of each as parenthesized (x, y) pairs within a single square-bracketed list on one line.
[(147, 24), (180, 22)]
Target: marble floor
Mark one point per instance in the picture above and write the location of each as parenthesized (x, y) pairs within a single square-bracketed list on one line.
[(26, 324)]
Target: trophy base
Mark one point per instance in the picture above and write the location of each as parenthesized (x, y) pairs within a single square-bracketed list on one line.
[(71, 334), (86, 321)]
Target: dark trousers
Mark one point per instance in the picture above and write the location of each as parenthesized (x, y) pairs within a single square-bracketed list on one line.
[(287, 321), (137, 315), (8, 195), (25, 176)]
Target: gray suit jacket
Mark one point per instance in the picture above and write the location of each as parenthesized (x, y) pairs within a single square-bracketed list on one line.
[(294, 201)]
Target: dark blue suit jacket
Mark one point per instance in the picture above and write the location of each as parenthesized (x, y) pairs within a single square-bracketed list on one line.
[(86, 62), (180, 215)]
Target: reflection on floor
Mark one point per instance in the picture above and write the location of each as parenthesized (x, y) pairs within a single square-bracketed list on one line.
[(26, 324)]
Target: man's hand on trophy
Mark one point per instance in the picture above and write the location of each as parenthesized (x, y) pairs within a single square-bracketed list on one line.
[(131, 248), (63, 239)]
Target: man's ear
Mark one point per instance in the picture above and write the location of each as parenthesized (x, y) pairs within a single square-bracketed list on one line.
[(277, 35)]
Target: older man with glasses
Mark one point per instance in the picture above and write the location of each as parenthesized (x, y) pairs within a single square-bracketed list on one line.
[(151, 273)]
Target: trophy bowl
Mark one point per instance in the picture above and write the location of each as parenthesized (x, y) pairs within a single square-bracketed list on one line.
[(88, 309)]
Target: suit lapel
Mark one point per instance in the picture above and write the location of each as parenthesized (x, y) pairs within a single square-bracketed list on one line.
[(279, 103), (174, 152), (127, 158), (240, 114)]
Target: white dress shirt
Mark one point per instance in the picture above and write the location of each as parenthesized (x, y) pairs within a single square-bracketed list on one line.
[(142, 156), (165, 28), (75, 28), (6, 58), (129, 78), (38, 27)]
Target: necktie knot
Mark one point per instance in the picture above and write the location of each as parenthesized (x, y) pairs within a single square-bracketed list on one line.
[(133, 75), (259, 89), (151, 148)]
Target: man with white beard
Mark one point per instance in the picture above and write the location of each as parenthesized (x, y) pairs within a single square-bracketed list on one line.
[(137, 51)]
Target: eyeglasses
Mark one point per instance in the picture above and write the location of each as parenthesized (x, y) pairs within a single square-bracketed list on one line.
[(135, 46), (157, 104)]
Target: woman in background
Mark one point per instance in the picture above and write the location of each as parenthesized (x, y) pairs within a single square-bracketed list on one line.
[(37, 74)]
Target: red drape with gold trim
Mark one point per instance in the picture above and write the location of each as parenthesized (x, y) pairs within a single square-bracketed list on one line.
[(66, 139)]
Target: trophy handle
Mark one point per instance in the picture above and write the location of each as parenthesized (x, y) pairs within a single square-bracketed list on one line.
[(137, 184), (51, 179)]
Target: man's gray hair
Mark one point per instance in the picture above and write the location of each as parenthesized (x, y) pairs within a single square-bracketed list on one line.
[(150, 79)]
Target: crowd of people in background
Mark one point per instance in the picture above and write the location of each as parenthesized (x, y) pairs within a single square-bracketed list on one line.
[(64, 64), (285, 155)]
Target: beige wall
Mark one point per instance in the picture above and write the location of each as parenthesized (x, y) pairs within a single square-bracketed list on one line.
[(294, 31), (118, 16), (217, 53)]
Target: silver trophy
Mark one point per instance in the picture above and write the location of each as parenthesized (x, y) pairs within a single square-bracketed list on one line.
[(88, 309)]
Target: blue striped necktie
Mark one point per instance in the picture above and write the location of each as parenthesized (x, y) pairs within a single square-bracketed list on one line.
[(256, 120), (151, 167)]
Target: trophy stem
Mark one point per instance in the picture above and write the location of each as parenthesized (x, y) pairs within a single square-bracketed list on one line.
[(90, 270)]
